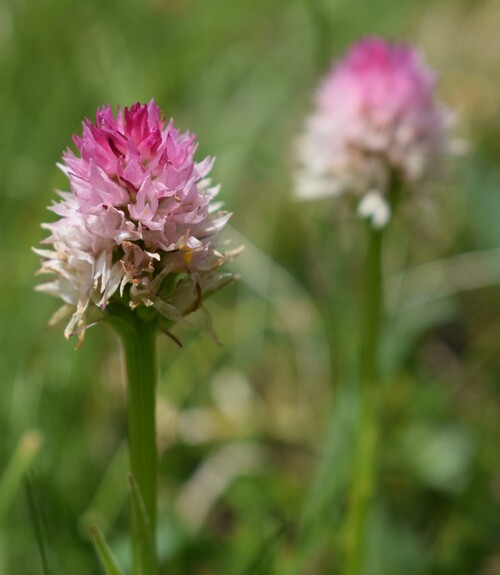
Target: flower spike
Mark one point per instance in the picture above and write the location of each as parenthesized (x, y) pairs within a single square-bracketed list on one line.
[(377, 128), (140, 213)]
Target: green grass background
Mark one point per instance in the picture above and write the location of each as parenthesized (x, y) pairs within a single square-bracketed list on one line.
[(255, 435)]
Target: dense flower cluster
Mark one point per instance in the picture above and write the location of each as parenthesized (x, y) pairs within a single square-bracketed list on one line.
[(376, 122), (140, 209)]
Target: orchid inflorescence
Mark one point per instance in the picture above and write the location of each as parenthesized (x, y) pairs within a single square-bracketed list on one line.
[(377, 126), (139, 225)]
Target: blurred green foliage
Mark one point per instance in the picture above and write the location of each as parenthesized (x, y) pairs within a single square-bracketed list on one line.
[(255, 436)]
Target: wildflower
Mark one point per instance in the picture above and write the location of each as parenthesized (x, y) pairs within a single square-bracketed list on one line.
[(139, 225), (377, 127)]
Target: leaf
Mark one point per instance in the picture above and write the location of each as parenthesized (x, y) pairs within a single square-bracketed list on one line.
[(108, 561), (142, 529)]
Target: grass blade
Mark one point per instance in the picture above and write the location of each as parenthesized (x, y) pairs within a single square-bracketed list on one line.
[(38, 523), (260, 564), (108, 561), (26, 450)]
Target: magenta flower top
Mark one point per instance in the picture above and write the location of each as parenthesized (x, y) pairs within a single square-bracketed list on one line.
[(376, 121), (140, 208)]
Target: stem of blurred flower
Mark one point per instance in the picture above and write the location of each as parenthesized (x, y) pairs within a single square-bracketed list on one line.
[(139, 343), (365, 456)]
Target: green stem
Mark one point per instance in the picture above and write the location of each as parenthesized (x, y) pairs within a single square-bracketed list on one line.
[(138, 337), (365, 457)]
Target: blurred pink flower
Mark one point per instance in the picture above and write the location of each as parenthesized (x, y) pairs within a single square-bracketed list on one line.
[(377, 124), (140, 208)]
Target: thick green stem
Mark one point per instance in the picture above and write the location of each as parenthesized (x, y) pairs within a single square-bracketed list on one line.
[(365, 456), (138, 336)]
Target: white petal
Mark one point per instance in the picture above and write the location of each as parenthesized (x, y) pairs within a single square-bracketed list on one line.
[(375, 208)]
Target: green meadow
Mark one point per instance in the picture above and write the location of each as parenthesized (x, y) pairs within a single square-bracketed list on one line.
[(256, 436)]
